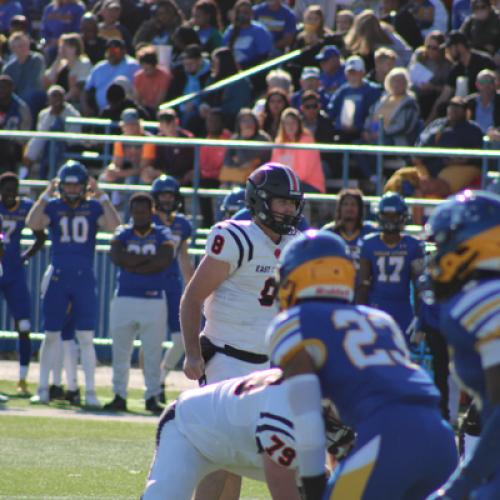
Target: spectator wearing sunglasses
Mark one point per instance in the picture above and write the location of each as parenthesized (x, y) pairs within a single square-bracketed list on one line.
[(483, 106), (309, 80), (482, 27)]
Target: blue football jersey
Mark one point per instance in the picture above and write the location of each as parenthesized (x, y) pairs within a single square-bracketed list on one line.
[(391, 267), (13, 224), (470, 321), (181, 230), (353, 240), (360, 354), (73, 232), (142, 285)]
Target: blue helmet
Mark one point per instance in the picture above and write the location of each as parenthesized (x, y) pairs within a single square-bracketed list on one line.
[(274, 180), (233, 202), (73, 172), (316, 264), (392, 203), (466, 231), (166, 184)]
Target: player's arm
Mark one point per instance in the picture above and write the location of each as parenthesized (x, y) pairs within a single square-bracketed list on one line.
[(209, 275), (304, 396), (185, 262), (365, 278), (280, 480), (40, 237), (37, 219), (110, 219), (158, 262), (126, 260)]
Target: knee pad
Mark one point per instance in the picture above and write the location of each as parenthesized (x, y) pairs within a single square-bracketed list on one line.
[(85, 337), (24, 326)]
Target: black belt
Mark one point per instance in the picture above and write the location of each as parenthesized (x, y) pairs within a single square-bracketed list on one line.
[(208, 349)]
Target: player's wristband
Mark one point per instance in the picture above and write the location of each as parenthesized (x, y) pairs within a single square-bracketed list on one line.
[(45, 197), (104, 197)]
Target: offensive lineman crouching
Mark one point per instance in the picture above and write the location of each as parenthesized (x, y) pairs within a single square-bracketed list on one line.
[(242, 425)]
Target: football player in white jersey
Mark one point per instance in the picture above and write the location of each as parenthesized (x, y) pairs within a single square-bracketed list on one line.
[(234, 283), (242, 425)]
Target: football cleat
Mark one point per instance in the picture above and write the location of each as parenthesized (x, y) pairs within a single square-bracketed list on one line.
[(91, 400), (73, 397), (153, 406), (41, 398), (162, 397), (3, 399), (117, 404), (22, 389), (56, 392)]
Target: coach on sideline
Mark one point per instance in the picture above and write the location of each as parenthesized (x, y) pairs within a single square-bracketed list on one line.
[(142, 251)]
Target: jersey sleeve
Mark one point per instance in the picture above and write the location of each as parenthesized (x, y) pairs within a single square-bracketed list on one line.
[(187, 230), (164, 235), (224, 244), (120, 234), (285, 339), (364, 248)]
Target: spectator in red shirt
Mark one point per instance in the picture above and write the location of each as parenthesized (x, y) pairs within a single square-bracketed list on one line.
[(211, 160), (152, 81)]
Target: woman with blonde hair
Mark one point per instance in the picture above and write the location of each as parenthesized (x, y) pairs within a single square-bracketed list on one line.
[(368, 33), (305, 162), (71, 67)]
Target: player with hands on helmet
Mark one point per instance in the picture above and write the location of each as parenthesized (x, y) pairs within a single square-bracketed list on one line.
[(72, 219)]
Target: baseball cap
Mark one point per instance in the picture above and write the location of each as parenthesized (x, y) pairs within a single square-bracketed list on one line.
[(456, 37), (354, 63), (310, 72), (328, 51), (111, 4), (192, 51), (115, 42), (130, 115), (458, 101)]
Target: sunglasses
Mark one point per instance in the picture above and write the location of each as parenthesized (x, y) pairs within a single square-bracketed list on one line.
[(480, 7), (432, 47), (311, 106)]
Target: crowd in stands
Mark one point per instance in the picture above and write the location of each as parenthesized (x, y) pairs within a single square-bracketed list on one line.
[(390, 72)]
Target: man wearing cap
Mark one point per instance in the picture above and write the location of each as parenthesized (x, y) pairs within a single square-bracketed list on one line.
[(117, 63), (467, 64), (438, 176), (332, 74), (482, 27), (349, 106), (131, 163), (190, 78), (484, 105), (309, 80)]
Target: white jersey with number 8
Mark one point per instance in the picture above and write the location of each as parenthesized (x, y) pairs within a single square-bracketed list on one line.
[(240, 310)]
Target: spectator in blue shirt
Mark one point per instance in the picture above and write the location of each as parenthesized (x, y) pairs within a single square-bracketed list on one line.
[(279, 20), (117, 63), (8, 9), (60, 16), (309, 80), (332, 74), (350, 105), (250, 41)]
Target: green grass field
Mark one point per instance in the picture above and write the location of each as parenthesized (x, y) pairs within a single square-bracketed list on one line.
[(53, 457)]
